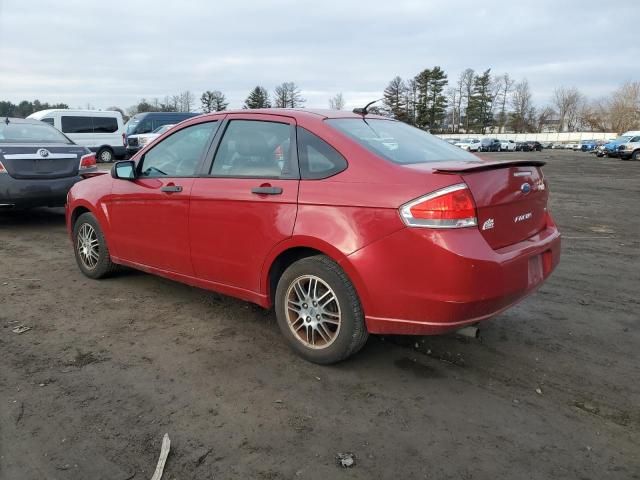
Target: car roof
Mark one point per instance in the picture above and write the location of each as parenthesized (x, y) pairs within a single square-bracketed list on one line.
[(301, 113), (41, 113)]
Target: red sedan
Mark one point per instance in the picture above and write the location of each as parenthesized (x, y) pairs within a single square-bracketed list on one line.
[(348, 224)]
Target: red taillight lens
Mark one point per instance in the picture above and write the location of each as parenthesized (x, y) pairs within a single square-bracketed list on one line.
[(450, 207), (2, 169), (88, 161)]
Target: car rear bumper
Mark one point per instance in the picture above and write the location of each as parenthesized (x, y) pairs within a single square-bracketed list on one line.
[(24, 193), (426, 282)]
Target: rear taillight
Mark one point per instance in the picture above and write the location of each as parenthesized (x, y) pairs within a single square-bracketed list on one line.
[(450, 207), (88, 161), (2, 169)]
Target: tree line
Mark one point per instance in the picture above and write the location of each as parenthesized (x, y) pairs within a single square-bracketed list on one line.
[(481, 102), (478, 102)]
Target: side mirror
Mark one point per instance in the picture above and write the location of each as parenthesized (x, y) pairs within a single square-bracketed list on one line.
[(124, 170)]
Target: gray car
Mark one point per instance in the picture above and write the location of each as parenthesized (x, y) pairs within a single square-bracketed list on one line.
[(39, 164)]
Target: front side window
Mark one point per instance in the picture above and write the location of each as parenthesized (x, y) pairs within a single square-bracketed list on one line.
[(178, 155), (76, 124), (399, 142), (255, 149), (316, 157)]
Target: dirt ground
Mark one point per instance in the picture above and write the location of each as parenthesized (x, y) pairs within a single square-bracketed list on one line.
[(551, 391)]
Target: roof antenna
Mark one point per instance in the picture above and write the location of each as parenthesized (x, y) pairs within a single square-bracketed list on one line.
[(365, 110)]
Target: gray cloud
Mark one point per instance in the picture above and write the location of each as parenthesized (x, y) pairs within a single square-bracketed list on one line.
[(113, 53)]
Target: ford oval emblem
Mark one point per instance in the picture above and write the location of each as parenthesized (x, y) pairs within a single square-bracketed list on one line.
[(43, 152), (525, 188)]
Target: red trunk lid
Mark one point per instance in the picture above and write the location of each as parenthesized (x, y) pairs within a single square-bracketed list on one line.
[(511, 199)]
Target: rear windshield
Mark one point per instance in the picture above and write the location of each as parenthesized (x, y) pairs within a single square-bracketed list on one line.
[(399, 142), (14, 132)]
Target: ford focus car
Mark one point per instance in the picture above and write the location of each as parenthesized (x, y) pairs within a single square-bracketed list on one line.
[(348, 224), (38, 164)]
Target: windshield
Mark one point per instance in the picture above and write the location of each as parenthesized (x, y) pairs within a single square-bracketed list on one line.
[(15, 132), (130, 126), (399, 142), (622, 139)]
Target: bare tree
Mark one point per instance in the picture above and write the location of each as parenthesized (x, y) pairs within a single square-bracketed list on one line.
[(336, 102), (288, 95), (504, 84), (453, 115), (596, 115), (543, 118), (624, 107), (567, 102), (522, 107), (187, 100)]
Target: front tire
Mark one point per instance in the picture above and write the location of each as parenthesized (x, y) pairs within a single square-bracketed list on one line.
[(90, 248), (319, 312)]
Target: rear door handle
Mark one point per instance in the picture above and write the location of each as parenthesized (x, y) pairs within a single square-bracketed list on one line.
[(267, 190), (171, 188)]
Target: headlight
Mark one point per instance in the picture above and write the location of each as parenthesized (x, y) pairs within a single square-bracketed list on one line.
[(143, 140)]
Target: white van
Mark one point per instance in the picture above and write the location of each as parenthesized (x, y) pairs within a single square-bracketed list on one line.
[(100, 131)]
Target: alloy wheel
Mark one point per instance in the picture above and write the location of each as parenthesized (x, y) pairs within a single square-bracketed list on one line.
[(88, 246), (313, 312)]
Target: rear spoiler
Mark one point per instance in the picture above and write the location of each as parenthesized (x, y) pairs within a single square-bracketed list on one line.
[(488, 165)]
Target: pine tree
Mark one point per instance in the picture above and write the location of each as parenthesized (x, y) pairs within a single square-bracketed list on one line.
[(213, 101), (437, 99), (258, 98), (395, 99), (479, 110), (431, 102)]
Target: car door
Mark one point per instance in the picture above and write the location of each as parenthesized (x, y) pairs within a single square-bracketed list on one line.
[(149, 214), (247, 204)]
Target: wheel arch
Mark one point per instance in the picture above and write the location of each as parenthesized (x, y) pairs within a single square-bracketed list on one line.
[(296, 248)]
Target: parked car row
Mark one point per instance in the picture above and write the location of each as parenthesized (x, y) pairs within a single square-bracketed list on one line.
[(625, 147), (496, 145)]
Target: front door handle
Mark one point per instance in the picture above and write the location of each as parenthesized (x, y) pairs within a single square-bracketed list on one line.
[(171, 188), (267, 190)]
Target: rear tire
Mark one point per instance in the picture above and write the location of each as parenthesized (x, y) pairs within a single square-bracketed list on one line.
[(90, 248), (104, 155), (636, 155), (319, 312)]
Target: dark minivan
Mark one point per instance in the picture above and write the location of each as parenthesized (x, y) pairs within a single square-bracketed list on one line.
[(147, 122)]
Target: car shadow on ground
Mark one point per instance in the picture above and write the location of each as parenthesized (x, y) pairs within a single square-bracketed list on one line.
[(41, 217)]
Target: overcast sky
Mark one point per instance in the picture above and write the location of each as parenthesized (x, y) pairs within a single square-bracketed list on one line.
[(111, 52)]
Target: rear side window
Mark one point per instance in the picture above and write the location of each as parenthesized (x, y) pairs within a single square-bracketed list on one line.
[(74, 124), (47, 120), (105, 124), (317, 159), (255, 149), (399, 142), (77, 124)]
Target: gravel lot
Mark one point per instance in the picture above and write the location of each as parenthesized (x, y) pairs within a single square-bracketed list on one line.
[(552, 390)]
